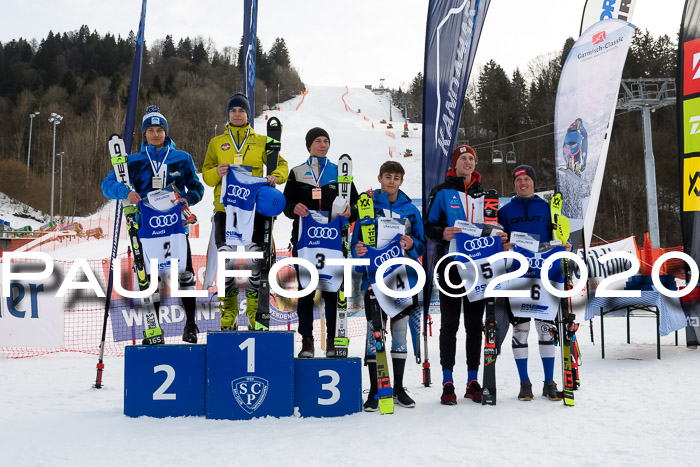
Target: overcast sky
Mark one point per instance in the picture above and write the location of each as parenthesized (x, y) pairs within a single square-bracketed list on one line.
[(332, 42)]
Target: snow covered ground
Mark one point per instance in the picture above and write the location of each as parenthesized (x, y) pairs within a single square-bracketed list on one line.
[(632, 409)]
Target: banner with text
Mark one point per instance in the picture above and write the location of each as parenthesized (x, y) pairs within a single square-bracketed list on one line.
[(585, 106), (598, 10), (688, 108)]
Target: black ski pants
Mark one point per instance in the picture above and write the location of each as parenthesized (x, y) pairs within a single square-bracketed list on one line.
[(450, 310), (305, 309)]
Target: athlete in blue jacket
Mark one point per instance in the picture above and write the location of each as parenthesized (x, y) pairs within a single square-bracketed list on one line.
[(391, 202), (156, 166), (530, 214), (449, 202)]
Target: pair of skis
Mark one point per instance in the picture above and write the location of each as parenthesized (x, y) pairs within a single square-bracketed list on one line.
[(262, 314), (566, 324), (385, 393), (153, 334), (488, 393), (342, 339)]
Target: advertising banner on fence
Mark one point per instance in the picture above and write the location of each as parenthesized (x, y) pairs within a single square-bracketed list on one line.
[(586, 101), (126, 315), (597, 271), (32, 316)]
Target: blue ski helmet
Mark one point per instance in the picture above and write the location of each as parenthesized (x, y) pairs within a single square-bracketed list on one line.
[(269, 201)]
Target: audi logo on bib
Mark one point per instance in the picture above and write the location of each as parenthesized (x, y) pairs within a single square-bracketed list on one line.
[(323, 232), (393, 252), (163, 221), (478, 243), (535, 263), (238, 192)]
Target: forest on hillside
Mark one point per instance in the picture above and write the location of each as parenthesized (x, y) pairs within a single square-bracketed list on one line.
[(516, 113), (84, 77)]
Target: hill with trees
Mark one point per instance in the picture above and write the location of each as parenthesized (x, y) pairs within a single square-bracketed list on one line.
[(84, 77), (517, 112)]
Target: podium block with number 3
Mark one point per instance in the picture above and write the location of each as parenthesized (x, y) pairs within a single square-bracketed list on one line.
[(250, 374), (164, 380), (326, 387)]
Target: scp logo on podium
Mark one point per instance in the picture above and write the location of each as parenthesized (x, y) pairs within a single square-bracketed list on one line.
[(250, 392)]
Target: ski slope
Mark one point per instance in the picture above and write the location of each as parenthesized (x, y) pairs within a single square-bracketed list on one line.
[(350, 133), (631, 408)]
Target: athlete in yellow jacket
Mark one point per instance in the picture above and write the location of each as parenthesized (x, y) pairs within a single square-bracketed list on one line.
[(240, 145)]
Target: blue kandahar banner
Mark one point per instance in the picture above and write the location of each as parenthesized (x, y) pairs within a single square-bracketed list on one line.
[(128, 135), (135, 82), (451, 39), (250, 32)]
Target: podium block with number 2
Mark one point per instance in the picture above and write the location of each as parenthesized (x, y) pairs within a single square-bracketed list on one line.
[(326, 387), (250, 374), (164, 380)]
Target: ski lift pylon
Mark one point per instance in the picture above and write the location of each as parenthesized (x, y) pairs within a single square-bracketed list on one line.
[(510, 155)]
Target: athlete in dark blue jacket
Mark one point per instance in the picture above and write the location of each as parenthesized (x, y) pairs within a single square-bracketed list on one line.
[(157, 165), (530, 214)]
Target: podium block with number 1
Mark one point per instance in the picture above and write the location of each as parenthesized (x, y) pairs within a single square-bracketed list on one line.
[(250, 374)]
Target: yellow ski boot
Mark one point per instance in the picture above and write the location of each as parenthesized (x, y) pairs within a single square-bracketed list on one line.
[(228, 308), (251, 308)]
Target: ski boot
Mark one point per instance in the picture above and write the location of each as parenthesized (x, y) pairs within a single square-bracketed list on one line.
[(190, 333), (251, 308), (402, 398), (448, 396), (372, 403), (228, 308), (307, 348), (549, 390), (330, 347), (525, 391), (473, 392)]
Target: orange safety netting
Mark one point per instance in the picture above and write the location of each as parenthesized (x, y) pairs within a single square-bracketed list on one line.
[(84, 312)]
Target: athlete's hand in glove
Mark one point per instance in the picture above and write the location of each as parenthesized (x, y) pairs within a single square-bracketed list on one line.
[(133, 197), (301, 210), (360, 249), (406, 242), (272, 180), (222, 169), (449, 233)]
